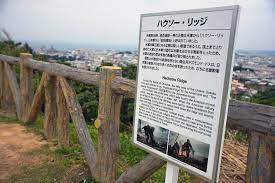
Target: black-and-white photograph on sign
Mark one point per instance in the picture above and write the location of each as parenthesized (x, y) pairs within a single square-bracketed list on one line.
[(184, 73), (153, 136), (188, 150)]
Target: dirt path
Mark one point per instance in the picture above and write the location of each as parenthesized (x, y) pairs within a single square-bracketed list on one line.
[(15, 142)]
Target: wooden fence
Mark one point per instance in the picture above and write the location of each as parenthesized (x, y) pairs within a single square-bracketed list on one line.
[(60, 102)]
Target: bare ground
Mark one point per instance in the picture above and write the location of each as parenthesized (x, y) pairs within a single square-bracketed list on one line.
[(15, 142)]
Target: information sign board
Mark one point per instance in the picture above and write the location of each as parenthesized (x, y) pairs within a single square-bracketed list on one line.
[(183, 83)]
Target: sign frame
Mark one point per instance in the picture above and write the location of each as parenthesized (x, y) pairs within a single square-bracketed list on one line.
[(225, 92)]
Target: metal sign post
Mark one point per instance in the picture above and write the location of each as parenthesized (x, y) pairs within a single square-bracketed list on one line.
[(172, 173)]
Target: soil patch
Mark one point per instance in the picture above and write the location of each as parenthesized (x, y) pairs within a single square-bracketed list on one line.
[(15, 142)]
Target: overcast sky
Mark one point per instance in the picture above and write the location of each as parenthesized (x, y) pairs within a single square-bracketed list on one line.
[(117, 22)]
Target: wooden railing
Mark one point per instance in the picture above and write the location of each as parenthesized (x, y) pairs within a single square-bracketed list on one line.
[(60, 101)]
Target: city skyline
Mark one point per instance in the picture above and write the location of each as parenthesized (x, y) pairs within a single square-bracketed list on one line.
[(102, 23)]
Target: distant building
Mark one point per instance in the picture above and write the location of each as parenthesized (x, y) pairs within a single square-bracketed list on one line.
[(272, 62), (238, 88), (81, 64)]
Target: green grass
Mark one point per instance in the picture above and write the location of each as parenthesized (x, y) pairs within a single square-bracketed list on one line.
[(37, 126), (9, 119), (237, 135), (58, 163)]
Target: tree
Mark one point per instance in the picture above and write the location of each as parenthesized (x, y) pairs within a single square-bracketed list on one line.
[(87, 96), (266, 98), (129, 71)]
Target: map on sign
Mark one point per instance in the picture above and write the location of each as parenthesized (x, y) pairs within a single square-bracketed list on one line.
[(184, 73)]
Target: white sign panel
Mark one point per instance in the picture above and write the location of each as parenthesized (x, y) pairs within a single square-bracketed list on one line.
[(184, 73)]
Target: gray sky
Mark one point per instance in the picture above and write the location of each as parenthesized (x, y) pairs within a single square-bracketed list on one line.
[(117, 22)]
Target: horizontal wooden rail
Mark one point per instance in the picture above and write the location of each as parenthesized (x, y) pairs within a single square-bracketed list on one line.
[(56, 69), (81, 75), (251, 117), (242, 115), (10, 59), (124, 86)]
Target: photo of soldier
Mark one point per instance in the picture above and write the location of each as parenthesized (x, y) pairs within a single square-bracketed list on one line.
[(188, 150), (149, 132), (152, 135), (187, 147)]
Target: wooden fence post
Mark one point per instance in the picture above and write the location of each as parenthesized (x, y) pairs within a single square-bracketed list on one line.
[(108, 125), (14, 87), (38, 99), (260, 159), (25, 86), (62, 117), (7, 102), (50, 107)]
